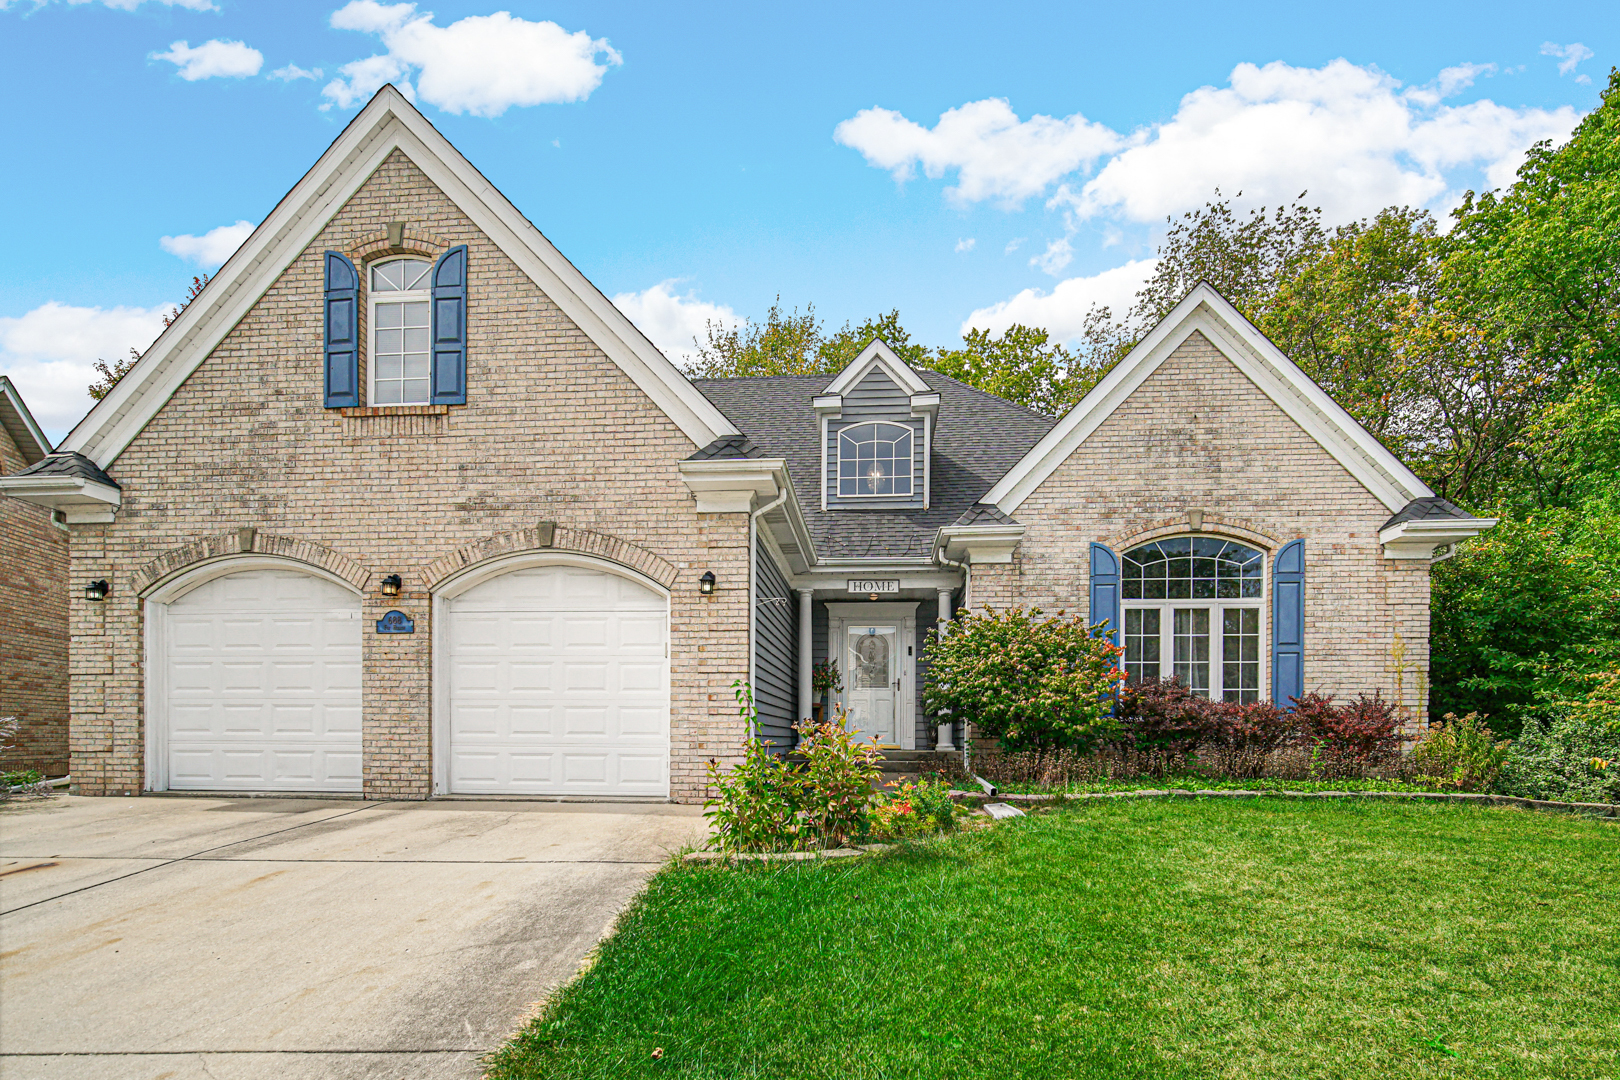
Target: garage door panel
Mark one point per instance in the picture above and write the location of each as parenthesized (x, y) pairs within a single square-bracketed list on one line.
[(263, 680), (573, 649)]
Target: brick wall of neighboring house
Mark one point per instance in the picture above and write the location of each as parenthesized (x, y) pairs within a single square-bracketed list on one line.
[(553, 432), (1198, 435), (33, 628)]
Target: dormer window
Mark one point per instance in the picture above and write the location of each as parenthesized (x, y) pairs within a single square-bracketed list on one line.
[(401, 306), (874, 460)]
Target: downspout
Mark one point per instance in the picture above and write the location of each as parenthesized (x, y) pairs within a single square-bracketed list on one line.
[(753, 598)]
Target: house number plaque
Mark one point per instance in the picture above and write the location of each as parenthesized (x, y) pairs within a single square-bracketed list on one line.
[(396, 622), (873, 585)]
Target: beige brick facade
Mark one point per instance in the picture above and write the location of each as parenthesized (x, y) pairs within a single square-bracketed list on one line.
[(1199, 435), (244, 457), (33, 627)]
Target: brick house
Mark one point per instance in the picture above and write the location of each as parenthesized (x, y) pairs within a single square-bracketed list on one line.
[(33, 605), (402, 505)]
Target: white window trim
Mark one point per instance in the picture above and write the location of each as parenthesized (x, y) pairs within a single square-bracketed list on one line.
[(1217, 640), (911, 468), (413, 296)]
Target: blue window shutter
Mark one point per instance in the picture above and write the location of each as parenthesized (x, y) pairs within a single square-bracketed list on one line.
[(1288, 624), (1105, 589), (342, 335), (450, 328)]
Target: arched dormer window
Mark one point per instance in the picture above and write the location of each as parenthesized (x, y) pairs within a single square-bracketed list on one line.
[(399, 363), (874, 460), (1192, 608)]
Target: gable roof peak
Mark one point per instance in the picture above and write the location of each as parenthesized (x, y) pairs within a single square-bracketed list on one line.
[(878, 355), (19, 423), (1205, 311), (387, 123)]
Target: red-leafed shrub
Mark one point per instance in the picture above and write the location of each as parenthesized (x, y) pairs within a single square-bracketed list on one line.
[(1348, 738), (1242, 737), (1163, 717)]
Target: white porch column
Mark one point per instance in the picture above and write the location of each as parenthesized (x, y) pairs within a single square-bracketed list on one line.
[(806, 654), (944, 742)]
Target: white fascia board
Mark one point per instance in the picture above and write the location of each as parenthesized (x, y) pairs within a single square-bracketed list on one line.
[(828, 404), (80, 500), (1307, 404), (732, 485), (1418, 539), (878, 354), (978, 544), (924, 404), (386, 123), (795, 518), (14, 401)]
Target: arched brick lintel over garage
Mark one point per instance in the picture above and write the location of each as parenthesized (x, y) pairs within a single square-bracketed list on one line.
[(549, 536)]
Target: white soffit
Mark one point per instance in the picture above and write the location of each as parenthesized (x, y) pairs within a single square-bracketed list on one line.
[(1306, 403), (878, 354), (388, 122)]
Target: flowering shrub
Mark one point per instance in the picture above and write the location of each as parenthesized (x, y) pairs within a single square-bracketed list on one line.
[(916, 809), (1459, 753), (825, 679), (835, 782), (753, 808), (1029, 682)]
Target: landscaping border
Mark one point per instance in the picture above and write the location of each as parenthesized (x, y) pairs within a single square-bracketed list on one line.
[(1595, 809)]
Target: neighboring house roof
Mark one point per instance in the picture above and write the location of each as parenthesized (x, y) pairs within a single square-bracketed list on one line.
[(19, 424), (977, 437), (1205, 310), (388, 122), (68, 463), (1428, 508)]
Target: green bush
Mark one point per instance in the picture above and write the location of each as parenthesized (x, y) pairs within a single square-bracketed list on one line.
[(916, 809), (1032, 683), (1574, 754), (753, 806), (835, 783), (1459, 753)]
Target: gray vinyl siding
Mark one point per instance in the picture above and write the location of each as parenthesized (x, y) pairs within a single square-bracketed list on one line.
[(776, 650), (876, 398), (925, 725)]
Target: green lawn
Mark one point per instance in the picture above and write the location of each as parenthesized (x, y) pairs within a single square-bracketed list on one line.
[(1140, 938), (1196, 782)]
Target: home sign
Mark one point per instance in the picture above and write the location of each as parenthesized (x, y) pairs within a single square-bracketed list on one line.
[(873, 585)]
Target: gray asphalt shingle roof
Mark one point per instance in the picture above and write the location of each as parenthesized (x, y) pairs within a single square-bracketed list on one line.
[(68, 463), (977, 438), (1426, 508)]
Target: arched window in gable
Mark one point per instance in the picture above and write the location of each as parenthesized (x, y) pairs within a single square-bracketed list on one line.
[(1192, 609), (874, 460)]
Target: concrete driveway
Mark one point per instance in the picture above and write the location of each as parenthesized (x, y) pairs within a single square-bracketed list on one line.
[(174, 938)]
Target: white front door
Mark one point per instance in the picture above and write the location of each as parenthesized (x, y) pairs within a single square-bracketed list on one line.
[(262, 670), (559, 685), (872, 696)]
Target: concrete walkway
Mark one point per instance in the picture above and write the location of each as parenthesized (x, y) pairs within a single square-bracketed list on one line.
[(182, 938)]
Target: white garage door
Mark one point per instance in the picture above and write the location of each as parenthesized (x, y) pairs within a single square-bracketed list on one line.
[(559, 685), (263, 684)]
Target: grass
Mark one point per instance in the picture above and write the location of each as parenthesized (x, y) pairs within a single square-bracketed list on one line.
[(1195, 782), (1250, 938)]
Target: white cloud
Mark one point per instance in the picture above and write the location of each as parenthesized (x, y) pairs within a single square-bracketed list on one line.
[(483, 64), (1451, 80), (226, 59), (1571, 54), (1343, 133), (966, 245), (995, 155), (50, 351), (293, 71), (1013, 245), (1058, 254), (671, 322), (212, 248), (1062, 312)]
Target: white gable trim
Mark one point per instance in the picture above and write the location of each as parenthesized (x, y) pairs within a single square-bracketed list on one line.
[(20, 424), (387, 123), (874, 355), (1308, 405)]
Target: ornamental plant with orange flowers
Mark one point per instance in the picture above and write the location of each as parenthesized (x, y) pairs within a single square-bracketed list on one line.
[(1031, 681)]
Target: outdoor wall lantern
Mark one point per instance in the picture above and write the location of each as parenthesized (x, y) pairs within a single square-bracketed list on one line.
[(97, 591), (706, 583), (391, 584)]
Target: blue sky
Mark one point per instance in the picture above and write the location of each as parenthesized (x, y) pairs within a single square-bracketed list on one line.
[(966, 164)]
